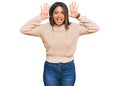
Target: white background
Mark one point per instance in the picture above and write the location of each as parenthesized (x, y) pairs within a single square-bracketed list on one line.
[(97, 57)]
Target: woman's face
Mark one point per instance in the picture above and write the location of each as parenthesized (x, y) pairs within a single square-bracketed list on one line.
[(58, 15)]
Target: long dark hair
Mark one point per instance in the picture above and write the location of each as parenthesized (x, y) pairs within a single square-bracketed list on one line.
[(56, 4)]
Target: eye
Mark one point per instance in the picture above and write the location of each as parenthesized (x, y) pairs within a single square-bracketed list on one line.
[(63, 12), (55, 12)]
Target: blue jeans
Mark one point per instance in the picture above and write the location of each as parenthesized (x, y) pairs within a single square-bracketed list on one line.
[(59, 74)]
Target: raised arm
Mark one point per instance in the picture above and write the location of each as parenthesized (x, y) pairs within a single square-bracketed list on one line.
[(86, 26), (33, 27)]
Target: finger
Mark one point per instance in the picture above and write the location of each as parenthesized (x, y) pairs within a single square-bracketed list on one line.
[(74, 4), (44, 6), (77, 7), (47, 6), (41, 8), (70, 6)]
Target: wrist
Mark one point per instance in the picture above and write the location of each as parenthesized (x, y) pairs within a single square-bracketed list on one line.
[(78, 16)]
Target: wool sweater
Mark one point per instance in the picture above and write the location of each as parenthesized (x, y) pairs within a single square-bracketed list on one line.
[(60, 43)]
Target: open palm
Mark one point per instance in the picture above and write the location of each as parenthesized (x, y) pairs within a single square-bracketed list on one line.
[(44, 11), (73, 10)]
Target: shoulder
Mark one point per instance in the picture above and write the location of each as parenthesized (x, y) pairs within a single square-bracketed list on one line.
[(74, 26), (46, 27)]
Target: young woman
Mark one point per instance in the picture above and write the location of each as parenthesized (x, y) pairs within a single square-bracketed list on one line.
[(59, 37)]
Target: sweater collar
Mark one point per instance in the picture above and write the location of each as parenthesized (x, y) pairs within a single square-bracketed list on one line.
[(59, 28)]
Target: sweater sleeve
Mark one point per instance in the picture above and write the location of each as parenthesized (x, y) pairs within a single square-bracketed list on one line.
[(87, 26), (32, 27)]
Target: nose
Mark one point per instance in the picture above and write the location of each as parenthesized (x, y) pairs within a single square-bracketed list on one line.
[(59, 15)]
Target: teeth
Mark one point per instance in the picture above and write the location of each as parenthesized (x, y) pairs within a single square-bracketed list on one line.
[(59, 20)]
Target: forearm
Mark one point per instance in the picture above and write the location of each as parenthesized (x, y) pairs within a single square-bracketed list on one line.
[(31, 26), (88, 25)]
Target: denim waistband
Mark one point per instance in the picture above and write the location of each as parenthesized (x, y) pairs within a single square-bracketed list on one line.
[(59, 63)]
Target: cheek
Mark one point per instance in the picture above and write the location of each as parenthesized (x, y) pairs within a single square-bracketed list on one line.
[(63, 16), (54, 17)]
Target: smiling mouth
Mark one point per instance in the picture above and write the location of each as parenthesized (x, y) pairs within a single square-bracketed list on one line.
[(59, 20)]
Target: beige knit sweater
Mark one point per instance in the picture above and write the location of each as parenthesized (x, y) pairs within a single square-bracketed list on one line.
[(60, 43)]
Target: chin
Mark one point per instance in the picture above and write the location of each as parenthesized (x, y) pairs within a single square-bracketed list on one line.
[(59, 24)]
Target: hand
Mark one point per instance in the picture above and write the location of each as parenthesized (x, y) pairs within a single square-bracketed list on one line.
[(73, 10), (44, 11)]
